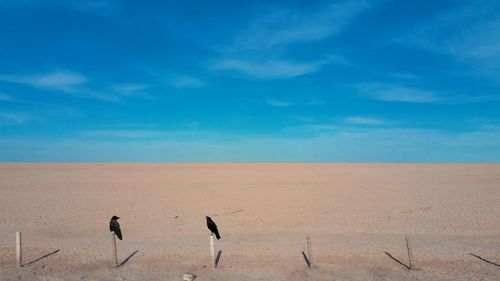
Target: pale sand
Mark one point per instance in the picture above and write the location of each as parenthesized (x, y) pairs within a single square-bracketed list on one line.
[(353, 213)]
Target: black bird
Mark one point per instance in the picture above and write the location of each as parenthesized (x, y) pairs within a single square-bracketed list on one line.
[(114, 226), (213, 227)]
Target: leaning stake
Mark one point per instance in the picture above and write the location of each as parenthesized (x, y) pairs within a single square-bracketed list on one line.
[(410, 253), (19, 253)]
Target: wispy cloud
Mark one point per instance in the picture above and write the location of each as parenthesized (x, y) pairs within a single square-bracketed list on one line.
[(97, 7), (132, 90), (61, 81), (403, 76), (470, 33), (290, 26), (315, 126), (307, 119), (397, 93), (268, 69), (311, 128), (26, 111), (136, 125), (5, 97), (471, 30), (364, 120), (101, 7), (18, 117), (144, 134), (278, 103), (317, 102), (258, 50), (121, 134), (185, 81)]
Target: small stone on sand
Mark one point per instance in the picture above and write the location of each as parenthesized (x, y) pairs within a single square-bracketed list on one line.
[(188, 276)]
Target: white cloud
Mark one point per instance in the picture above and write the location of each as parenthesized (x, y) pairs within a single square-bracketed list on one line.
[(278, 103), (317, 103), (475, 32), (258, 50), (185, 81), (61, 81), (397, 93), (132, 90), (321, 127), (5, 97), (121, 134), (268, 69), (393, 92), (38, 111), (103, 8), (307, 119), (404, 76), (404, 94), (364, 120), (18, 117), (145, 133), (311, 128), (288, 26), (470, 33)]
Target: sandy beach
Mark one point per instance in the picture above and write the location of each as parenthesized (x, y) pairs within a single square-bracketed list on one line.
[(353, 213)]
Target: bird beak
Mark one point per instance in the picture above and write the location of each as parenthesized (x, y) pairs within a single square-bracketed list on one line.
[(118, 218)]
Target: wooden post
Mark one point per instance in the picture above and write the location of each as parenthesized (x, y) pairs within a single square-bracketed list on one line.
[(19, 253), (212, 250), (410, 252), (114, 248)]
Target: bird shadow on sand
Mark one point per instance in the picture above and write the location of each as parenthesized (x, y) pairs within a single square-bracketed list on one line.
[(306, 259), (217, 259), (42, 257), (128, 258)]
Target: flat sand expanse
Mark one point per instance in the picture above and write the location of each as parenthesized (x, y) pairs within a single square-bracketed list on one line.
[(352, 212)]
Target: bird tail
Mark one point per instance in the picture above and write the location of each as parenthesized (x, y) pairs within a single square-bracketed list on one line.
[(217, 235)]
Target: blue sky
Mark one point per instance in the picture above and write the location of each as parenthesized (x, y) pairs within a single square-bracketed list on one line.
[(250, 81)]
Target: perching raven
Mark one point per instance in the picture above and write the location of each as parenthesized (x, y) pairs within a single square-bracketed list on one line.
[(213, 227), (114, 226)]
